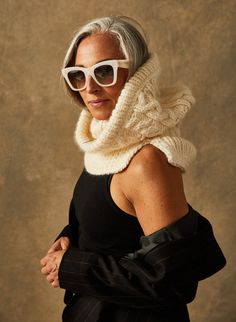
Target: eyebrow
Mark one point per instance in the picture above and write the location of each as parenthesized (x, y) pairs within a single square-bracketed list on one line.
[(79, 65)]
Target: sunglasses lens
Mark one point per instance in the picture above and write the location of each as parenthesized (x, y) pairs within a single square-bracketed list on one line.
[(104, 74), (77, 79)]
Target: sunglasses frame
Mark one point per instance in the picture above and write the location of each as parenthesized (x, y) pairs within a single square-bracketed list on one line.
[(114, 63)]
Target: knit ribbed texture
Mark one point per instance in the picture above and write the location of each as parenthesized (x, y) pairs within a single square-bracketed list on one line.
[(141, 116)]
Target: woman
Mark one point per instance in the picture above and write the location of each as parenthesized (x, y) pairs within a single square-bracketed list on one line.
[(134, 249)]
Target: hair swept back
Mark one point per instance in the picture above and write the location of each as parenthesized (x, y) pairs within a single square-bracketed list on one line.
[(129, 33)]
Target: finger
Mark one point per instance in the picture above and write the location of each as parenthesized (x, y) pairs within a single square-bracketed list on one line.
[(65, 243), (52, 277), (50, 266), (56, 246), (45, 259), (46, 270), (55, 283)]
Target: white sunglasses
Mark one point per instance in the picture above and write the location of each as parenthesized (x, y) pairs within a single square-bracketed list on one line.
[(104, 74)]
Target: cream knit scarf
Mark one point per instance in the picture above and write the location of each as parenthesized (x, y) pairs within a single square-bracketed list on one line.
[(141, 116)]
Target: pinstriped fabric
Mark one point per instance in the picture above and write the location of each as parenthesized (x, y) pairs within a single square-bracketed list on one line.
[(82, 309), (93, 314), (90, 309)]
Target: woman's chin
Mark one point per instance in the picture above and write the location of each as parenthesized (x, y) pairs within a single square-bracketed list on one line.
[(100, 113), (101, 117)]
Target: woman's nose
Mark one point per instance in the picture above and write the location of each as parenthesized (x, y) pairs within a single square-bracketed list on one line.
[(92, 86)]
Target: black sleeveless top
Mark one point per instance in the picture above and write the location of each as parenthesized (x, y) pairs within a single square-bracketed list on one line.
[(103, 227)]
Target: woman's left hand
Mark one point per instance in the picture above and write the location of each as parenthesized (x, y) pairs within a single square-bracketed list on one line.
[(51, 263)]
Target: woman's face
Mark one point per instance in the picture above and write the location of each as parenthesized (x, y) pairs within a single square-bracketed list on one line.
[(99, 100)]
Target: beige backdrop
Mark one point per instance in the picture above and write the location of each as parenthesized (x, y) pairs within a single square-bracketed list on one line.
[(40, 163)]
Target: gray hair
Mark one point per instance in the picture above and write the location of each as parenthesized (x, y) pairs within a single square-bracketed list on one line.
[(129, 34)]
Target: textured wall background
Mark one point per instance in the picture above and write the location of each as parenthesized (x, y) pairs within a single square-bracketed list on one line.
[(40, 162)]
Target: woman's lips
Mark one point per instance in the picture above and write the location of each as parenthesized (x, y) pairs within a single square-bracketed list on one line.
[(98, 102)]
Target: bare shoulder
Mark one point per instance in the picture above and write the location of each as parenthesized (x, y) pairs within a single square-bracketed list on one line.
[(150, 162)]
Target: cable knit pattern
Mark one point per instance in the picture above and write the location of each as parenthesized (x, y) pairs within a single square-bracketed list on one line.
[(143, 115)]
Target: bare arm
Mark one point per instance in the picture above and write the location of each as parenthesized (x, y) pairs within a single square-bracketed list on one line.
[(155, 189)]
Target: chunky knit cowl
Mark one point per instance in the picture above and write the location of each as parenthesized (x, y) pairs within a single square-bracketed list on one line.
[(143, 115)]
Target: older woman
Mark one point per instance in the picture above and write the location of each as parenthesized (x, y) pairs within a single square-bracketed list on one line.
[(134, 249)]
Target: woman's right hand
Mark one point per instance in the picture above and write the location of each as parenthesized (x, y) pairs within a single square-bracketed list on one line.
[(62, 243)]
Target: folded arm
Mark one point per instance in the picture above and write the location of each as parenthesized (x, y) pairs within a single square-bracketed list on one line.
[(163, 272)]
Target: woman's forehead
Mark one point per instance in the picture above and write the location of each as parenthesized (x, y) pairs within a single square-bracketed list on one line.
[(98, 47)]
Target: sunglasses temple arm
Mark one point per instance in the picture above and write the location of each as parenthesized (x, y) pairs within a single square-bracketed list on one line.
[(123, 63)]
